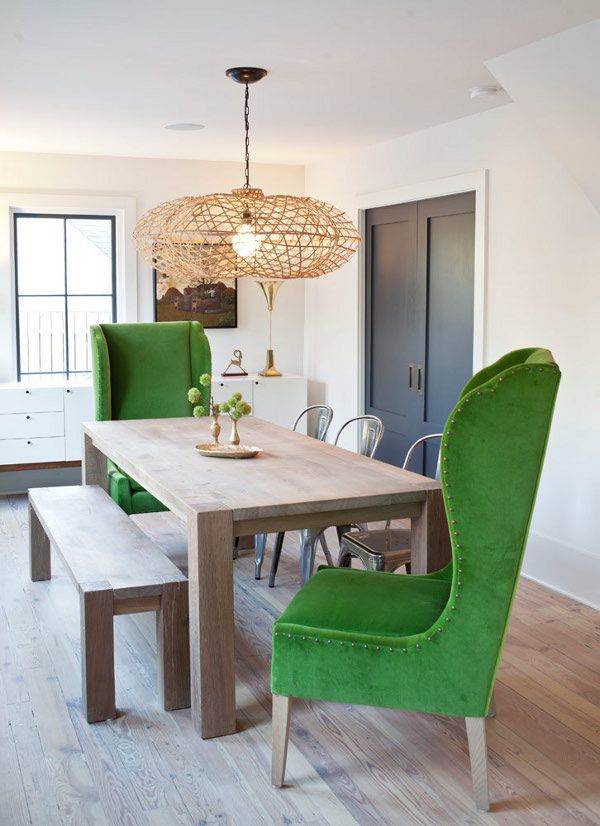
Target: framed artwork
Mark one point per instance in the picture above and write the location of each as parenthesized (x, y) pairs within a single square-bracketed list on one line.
[(212, 303)]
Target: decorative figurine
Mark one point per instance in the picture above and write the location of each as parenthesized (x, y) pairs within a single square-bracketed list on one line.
[(236, 361)]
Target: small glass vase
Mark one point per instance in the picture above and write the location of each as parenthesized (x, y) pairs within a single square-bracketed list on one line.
[(234, 438)]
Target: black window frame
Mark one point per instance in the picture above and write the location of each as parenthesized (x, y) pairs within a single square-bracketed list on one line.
[(66, 373)]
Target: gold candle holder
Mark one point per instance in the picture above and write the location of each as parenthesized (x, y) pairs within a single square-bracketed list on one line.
[(270, 290)]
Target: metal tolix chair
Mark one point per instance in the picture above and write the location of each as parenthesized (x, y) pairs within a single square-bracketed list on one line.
[(323, 414), (383, 549), (371, 434)]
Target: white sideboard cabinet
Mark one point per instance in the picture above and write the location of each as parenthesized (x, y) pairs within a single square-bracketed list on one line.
[(40, 424), (277, 399)]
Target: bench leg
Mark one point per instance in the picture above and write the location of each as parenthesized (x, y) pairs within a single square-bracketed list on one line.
[(39, 549), (173, 645), (97, 652)]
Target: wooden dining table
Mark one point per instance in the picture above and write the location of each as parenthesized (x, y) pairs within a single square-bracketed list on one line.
[(296, 482)]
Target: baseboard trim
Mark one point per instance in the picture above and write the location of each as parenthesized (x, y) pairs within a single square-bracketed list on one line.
[(563, 568)]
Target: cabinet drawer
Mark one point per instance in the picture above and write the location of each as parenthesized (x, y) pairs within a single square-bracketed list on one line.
[(31, 451), (31, 425), (30, 399)]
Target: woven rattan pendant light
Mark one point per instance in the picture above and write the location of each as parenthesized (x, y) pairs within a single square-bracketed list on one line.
[(245, 232)]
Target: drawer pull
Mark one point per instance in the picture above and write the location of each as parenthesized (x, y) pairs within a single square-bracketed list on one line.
[(28, 417), (27, 392), (28, 442)]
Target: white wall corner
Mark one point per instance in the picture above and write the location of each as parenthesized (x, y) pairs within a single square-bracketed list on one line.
[(568, 570)]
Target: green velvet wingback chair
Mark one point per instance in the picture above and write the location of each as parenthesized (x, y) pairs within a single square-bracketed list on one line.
[(432, 643), (143, 371)]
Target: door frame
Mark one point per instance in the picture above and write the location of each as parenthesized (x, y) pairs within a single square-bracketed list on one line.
[(476, 182)]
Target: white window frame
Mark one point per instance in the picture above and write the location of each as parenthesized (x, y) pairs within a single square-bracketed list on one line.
[(124, 211)]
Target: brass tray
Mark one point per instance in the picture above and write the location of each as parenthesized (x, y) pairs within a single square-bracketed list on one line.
[(229, 451)]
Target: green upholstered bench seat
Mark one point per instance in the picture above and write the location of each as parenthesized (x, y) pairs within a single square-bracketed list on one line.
[(357, 603)]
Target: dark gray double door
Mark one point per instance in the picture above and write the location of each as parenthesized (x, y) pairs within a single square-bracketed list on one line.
[(419, 318)]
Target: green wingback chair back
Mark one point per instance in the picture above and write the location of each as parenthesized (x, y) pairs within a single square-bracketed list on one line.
[(492, 454), (432, 643), (143, 371)]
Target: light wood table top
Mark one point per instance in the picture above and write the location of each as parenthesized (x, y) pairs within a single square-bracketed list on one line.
[(297, 482), (294, 470)]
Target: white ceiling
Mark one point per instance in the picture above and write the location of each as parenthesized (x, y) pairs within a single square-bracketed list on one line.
[(104, 77)]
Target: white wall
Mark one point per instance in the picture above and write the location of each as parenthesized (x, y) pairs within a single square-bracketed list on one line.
[(543, 289), (151, 181)]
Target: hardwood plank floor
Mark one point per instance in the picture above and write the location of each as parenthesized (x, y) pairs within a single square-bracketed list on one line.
[(347, 764)]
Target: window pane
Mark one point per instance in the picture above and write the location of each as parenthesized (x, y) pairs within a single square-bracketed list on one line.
[(42, 335), (83, 312), (89, 255), (41, 255)]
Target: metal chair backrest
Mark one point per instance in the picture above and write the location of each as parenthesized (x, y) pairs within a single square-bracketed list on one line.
[(371, 433), (416, 444), (324, 415)]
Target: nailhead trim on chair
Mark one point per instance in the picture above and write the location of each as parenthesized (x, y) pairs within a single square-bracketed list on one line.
[(458, 546)]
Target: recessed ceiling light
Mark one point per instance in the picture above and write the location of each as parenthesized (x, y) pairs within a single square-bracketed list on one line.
[(184, 127), (485, 91)]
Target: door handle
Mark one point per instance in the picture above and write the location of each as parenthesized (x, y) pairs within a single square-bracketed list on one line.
[(419, 379), (410, 376)]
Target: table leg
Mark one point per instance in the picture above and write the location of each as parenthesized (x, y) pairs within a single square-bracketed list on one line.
[(210, 576), (93, 464), (430, 540)]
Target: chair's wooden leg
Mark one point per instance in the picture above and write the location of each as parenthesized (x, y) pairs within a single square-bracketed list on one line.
[(260, 540), (39, 549), (492, 708), (478, 756), (173, 646), (97, 652), (282, 707)]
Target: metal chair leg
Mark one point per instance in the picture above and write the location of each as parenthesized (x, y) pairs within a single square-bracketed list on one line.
[(275, 561), (344, 558), (308, 544), (326, 550), (260, 540)]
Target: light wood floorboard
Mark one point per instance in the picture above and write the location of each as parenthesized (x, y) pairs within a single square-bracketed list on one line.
[(346, 764)]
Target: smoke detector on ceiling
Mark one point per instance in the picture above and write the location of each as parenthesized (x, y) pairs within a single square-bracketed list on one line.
[(485, 91), (184, 127)]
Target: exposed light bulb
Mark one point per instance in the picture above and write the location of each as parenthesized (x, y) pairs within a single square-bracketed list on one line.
[(246, 242)]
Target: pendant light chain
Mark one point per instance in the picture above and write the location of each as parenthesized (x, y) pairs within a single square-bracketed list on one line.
[(247, 141)]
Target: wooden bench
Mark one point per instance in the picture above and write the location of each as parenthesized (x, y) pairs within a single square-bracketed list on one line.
[(117, 569)]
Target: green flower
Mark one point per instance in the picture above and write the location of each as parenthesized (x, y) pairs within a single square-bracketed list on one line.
[(235, 415), (194, 395), (205, 379), (224, 407), (199, 411), (235, 398), (243, 408)]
